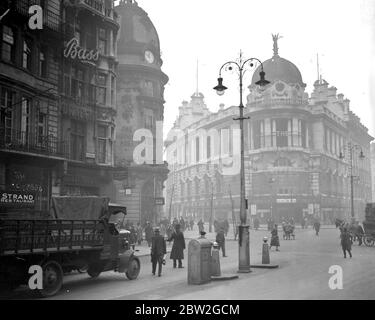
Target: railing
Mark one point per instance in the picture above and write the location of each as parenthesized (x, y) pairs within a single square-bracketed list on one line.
[(28, 236), (33, 143)]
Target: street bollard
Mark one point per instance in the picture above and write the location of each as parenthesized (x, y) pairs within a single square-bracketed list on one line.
[(265, 252), (215, 260)]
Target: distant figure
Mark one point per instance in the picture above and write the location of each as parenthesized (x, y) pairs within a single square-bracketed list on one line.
[(220, 239), (191, 223), (169, 230), (303, 223), (346, 242), (256, 223), (148, 233), (182, 224), (226, 227), (316, 226), (178, 247), (139, 233), (275, 242), (216, 225), (200, 225), (133, 236), (359, 233), (158, 251)]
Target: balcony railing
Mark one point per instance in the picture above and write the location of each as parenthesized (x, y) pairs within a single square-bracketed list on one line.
[(32, 143)]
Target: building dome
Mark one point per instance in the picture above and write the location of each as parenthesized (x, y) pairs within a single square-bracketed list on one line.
[(137, 32), (278, 68)]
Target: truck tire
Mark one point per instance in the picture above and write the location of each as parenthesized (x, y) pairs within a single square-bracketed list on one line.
[(133, 269), (94, 270), (52, 279)]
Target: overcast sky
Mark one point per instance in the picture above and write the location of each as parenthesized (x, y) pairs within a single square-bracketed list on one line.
[(342, 32)]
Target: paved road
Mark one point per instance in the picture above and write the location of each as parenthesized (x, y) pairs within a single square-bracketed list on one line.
[(303, 274)]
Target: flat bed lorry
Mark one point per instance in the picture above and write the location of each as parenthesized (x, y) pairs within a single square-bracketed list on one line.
[(61, 244)]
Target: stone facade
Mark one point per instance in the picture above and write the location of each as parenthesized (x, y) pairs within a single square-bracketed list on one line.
[(292, 153)]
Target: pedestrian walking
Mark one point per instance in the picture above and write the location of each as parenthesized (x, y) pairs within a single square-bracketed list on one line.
[(148, 233), (220, 239), (139, 233), (303, 223), (200, 225), (133, 236), (256, 223), (346, 242), (158, 251), (191, 223), (359, 233), (226, 227), (316, 226), (275, 241), (177, 253)]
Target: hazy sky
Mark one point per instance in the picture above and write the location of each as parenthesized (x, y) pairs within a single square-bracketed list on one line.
[(214, 31)]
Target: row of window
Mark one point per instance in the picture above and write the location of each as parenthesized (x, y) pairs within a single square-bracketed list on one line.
[(94, 38), (21, 116), (78, 85), (9, 48), (78, 133), (281, 133), (333, 142)]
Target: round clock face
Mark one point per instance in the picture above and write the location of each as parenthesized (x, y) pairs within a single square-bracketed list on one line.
[(149, 56)]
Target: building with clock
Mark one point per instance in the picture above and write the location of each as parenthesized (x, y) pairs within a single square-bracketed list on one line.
[(293, 143), (138, 183)]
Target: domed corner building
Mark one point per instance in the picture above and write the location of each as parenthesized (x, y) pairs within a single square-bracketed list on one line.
[(140, 105), (292, 154)]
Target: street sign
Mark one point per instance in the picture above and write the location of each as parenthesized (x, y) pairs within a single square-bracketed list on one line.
[(286, 200), (159, 201)]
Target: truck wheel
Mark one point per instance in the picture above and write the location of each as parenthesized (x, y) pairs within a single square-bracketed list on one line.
[(52, 279), (133, 269), (94, 270)]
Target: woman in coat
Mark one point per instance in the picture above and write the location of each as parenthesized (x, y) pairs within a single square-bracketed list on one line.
[(178, 247), (275, 238), (346, 242)]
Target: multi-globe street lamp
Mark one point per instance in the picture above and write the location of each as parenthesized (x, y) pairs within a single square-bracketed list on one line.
[(243, 239), (351, 149)]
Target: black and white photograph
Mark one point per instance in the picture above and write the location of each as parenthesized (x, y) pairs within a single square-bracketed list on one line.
[(187, 151)]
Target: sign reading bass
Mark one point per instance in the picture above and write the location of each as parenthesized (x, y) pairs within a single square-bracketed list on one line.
[(74, 51), (16, 198)]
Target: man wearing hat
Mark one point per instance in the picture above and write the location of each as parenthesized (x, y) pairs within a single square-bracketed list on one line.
[(178, 247), (220, 239), (158, 250)]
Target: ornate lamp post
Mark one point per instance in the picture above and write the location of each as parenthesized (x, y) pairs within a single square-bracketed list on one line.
[(352, 148), (243, 239)]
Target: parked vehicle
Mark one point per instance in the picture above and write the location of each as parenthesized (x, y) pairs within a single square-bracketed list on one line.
[(369, 225), (61, 245)]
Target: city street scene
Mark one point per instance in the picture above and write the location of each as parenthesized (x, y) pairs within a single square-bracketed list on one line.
[(173, 150)]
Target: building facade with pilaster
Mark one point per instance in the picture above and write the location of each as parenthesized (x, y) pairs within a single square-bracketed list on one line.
[(139, 183), (293, 143)]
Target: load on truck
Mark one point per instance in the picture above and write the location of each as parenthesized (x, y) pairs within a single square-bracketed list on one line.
[(80, 233)]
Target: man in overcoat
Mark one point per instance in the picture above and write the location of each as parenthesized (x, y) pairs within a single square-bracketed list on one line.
[(177, 253), (158, 251), (220, 239), (148, 233), (346, 242)]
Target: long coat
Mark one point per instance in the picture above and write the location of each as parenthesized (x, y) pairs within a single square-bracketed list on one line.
[(346, 242), (178, 245), (148, 232), (274, 238), (158, 247)]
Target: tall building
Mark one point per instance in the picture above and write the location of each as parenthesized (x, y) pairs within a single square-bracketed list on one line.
[(31, 148), (140, 98), (88, 96), (58, 102), (293, 143), (373, 170)]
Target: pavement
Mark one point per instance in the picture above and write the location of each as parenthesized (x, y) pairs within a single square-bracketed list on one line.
[(303, 273)]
